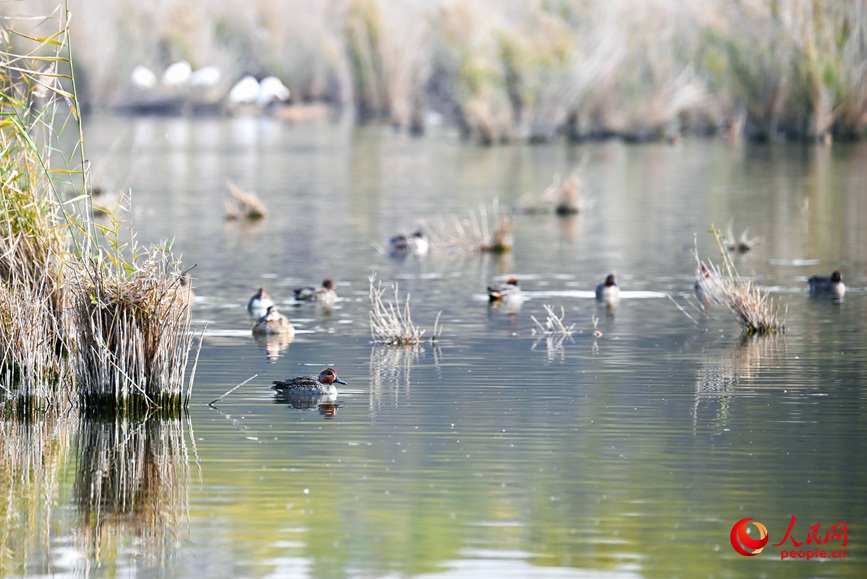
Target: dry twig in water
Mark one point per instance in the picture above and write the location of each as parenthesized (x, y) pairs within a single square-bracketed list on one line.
[(247, 204)]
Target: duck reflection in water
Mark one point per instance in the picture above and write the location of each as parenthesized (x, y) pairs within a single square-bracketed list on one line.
[(325, 405), (273, 344)]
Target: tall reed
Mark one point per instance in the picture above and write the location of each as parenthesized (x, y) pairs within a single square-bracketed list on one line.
[(83, 317)]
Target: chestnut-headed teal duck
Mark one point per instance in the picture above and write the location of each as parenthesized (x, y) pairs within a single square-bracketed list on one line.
[(324, 385), (324, 294), (505, 291), (260, 302)]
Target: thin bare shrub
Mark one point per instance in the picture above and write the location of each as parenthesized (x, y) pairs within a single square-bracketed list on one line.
[(244, 204), (755, 310), (484, 231), (554, 324), (391, 323)]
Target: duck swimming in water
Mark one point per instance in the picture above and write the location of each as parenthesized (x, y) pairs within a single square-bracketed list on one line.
[(272, 323), (827, 286), (324, 294), (506, 291), (260, 302), (608, 290), (324, 385), (403, 245)]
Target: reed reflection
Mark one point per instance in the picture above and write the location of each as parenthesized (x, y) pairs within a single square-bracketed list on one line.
[(391, 370), (731, 372), (33, 452), (131, 487)]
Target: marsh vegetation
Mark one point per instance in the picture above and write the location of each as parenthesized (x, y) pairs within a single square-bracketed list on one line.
[(515, 71), (85, 317)]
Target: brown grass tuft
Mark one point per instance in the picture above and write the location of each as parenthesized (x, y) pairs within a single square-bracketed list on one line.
[(392, 324), (754, 309), (244, 204)]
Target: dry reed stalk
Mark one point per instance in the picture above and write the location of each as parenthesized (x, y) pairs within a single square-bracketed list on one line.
[(389, 323), (553, 325), (134, 336), (741, 245), (477, 232), (133, 480), (565, 195), (754, 309), (246, 205)]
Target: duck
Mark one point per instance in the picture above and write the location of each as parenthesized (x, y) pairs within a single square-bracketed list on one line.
[(403, 245), (273, 322), (323, 385), (608, 290), (260, 302), (324, 294), (828, 286), (509, 291)]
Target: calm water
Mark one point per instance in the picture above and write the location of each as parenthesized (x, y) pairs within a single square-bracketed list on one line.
[(497, 452)]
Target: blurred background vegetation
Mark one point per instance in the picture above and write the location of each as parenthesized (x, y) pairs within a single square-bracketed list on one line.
[(503, 70)]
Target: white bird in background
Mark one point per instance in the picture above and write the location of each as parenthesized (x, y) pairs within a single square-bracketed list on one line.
[(177, 74), (205, 77), (245, 91), (249, 91), (272, 89), (143, 78)]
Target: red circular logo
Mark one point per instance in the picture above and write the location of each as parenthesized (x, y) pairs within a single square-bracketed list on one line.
[(743, 543)]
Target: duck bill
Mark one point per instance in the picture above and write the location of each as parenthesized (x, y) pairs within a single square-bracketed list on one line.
[(339, 381)]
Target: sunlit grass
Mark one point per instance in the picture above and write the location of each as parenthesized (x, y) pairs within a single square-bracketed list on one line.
[(390, 322), (483, 230), (754, 309), (84, 318)]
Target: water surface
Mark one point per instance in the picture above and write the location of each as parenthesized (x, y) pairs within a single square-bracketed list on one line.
[(496, 451)]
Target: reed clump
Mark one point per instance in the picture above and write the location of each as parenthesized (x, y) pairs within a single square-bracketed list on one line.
[(554, 324), (133, 336), (391, 323), (244, 204), (84, 319), (484, 230), (567, 197), (754, 309)]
